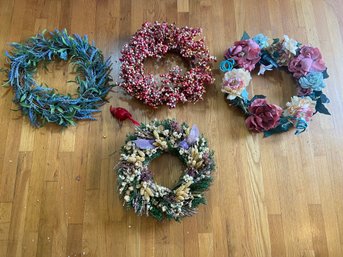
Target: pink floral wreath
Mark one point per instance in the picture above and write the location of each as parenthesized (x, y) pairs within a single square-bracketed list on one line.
[(155, 40), (303, 62)]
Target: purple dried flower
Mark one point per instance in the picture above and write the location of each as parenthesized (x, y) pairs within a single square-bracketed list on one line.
[(183, 144), (144, 143), (146, 175), (175, 126), (193, 135), (192, 172), (191, 139)]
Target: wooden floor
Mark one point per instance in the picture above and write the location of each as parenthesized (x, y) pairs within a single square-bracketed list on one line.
[(280, 196)]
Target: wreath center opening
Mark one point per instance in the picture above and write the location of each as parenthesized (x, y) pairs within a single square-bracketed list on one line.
[(167, 169), (277, 85), (161, 66), (58, 74)]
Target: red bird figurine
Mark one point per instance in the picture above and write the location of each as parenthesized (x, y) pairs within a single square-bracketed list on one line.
[(122, 114)]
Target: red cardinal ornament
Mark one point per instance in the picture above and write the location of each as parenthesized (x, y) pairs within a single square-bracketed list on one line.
[(122, 114)]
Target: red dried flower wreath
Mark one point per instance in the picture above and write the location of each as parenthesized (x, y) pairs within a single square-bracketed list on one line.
[(155, 40)]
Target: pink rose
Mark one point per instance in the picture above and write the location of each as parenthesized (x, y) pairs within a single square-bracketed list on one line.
[(246, 53), (309, 60), (263, 116)]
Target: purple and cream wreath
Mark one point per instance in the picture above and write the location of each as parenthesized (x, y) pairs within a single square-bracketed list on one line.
[(136, 183), (303, 62), (155, 40)]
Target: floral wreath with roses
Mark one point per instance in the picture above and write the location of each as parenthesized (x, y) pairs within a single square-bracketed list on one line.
[(155, 40), (135, 180), (303, 62)]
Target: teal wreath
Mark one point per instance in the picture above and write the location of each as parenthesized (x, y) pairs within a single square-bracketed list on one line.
[(43, 104)]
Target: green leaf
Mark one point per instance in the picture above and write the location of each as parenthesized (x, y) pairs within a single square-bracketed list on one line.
[(245, 36), (94, 90), (70, 121), (325, 74), (266, 59), (257, 97), (60, 109), (201, 185), (284, 126), (23, 97), (61, 121), (156, 213), (321, 108), (52, 109), (25, 105), (6, 84), (240, 103), (324, 99), (197, 201), (64, 41)]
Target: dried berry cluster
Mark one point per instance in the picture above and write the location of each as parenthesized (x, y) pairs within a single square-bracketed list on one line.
[(155, 40)]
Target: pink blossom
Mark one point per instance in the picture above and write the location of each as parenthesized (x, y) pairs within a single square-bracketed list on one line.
[(246, 53), (309, 60), (234, 83)]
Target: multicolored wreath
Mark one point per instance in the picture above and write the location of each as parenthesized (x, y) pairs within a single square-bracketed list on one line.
[(43, 104), (156, 40), (135, 180), (304, 62)]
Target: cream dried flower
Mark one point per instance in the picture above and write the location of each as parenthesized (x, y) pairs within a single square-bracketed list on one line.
[(301, 107), (290, 44), (145, 191), (182, 192), (235, 81)]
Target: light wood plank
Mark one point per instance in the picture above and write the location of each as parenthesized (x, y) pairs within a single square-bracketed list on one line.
[(280, 196)]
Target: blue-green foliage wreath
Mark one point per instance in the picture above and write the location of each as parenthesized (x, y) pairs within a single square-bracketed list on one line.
[(43, 104)]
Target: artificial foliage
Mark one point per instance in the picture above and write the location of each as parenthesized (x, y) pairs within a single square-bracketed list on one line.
[(136, 183), (43, 104), (303, 62)]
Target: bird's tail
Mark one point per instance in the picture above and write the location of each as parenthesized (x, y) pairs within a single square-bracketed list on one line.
[(134, 122)]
